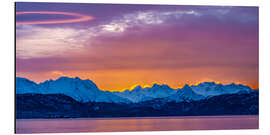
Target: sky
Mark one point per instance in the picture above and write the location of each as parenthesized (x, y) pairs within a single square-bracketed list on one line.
[(122, 46)]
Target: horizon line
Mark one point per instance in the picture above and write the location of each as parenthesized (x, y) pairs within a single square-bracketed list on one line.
[(138, 85)]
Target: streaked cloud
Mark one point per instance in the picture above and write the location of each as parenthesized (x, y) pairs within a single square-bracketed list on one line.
[(80, 17), (41, 42), (143, 18), (35, 41)]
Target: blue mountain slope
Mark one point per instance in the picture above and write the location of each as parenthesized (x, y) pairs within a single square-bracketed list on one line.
[(78, 89), (86, 90)]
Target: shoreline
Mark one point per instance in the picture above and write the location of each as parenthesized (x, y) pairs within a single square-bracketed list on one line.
[(147, 117)]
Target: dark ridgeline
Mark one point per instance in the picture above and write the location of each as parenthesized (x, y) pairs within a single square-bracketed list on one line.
[(75, 98), (62, 106)]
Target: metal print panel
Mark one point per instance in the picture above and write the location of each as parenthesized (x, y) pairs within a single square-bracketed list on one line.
[(118, 67)]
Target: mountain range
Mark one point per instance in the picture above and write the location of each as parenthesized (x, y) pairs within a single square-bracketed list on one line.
[(87, 91), (68, 97)]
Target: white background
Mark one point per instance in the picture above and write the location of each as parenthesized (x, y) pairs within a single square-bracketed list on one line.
[(7, 63)]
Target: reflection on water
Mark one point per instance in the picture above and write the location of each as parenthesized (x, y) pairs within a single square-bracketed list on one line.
[(136, 124)]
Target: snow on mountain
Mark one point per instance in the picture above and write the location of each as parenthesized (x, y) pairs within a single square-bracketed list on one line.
[(209, 89), (80, 90), (86, 90), (185, 94), (24, 85), (139, 94)]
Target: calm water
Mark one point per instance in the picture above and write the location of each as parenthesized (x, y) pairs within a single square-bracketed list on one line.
[(136, 124)]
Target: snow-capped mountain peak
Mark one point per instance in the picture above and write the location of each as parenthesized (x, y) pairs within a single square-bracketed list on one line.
[(209, 89), (139, 94), (87, 90), (24, 85), (184, 94), (78, 89)]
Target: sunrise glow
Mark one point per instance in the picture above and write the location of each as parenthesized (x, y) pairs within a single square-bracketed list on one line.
[(120, 48)]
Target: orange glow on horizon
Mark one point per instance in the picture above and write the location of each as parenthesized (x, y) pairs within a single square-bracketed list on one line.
[(106, 83), (81, 18), (142, 85)]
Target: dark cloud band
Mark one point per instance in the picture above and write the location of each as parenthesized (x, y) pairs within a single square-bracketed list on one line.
[(79, 17)]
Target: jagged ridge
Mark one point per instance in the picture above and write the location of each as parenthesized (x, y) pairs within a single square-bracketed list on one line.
[(86, 91)]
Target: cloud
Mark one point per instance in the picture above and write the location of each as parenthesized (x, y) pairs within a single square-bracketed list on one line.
[(41, 42), (35, 41), (142, 18), (113, 27), (79, 17), (58, 73)]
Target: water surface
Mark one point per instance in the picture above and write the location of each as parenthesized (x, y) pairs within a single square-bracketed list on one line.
[(136, 124)]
